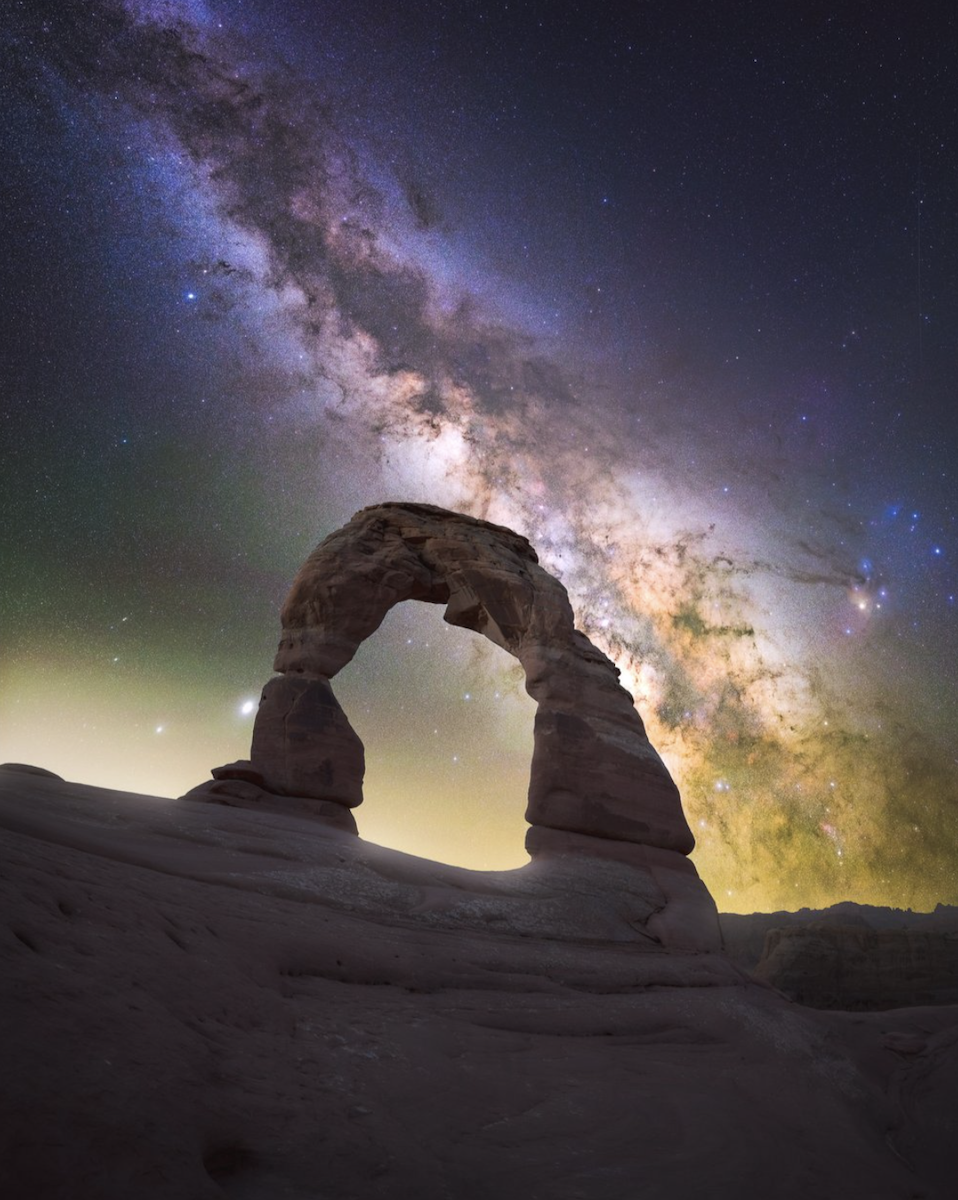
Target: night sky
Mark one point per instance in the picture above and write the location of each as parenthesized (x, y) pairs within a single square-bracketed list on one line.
[(672, 289)]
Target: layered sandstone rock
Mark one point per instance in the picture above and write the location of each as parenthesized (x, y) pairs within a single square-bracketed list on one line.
[(303, 744), (852, 967), (596, 782)]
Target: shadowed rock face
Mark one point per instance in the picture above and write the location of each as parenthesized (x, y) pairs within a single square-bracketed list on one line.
[(597, 787), (853, 967), (200, 1003), (850, 956)]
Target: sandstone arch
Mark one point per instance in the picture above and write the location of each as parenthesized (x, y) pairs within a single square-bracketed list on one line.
[(597, 787), (593, 771)]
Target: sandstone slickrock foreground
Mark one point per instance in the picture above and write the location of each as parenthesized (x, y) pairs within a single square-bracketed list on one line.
[(232, 994), (202, 1001)]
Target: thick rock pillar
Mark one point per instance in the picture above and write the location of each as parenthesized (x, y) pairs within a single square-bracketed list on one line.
[(303, 744)]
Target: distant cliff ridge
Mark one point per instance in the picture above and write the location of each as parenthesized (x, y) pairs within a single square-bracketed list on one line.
[(851, 956)]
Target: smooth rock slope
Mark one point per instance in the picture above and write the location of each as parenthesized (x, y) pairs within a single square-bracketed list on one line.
[(203, 1001)]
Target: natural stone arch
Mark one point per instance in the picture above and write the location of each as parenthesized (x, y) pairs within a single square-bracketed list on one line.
[(597, 787), (593, 770)]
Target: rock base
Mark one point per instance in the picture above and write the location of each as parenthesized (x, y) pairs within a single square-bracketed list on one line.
[(242, 793), (687, 918)]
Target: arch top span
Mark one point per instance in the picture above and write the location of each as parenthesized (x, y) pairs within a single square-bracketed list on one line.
[(597, 786), (487, 576)]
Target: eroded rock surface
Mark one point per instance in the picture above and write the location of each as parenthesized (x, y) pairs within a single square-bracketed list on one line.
[(595, 779), (200, 1001), (303, 743)]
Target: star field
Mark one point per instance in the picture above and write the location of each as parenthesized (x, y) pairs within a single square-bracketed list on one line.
[(673, 292)]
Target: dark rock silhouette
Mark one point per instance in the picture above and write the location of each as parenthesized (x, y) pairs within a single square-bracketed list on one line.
[(851, 956), (597, 787)]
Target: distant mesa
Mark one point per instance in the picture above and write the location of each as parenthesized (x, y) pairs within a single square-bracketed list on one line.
[(850, 956), (597, 788)]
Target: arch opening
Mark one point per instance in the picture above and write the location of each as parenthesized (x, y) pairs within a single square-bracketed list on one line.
[(447, 728)]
